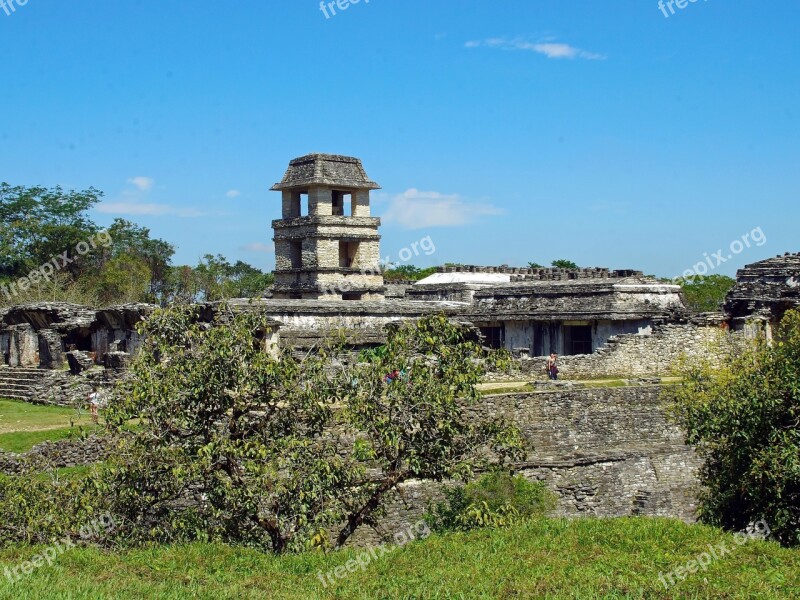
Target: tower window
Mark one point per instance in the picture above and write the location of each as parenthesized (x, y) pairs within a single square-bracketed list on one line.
[(342, 204), (348, 253), (296, 254), (303, 212)]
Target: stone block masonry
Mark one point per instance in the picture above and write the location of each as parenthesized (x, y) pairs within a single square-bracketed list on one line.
[(605, 452), (637, 355)]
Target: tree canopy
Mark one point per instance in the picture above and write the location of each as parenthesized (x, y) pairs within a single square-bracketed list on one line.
[(240, 446), (95, 266), (706, 293), (745, 421)]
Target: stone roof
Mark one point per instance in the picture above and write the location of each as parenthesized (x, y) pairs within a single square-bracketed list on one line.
[(768, 287), (465, 277), (331, 170), (64, 317), (630, 298)]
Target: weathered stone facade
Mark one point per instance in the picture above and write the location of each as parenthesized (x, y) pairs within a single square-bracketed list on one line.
[(764, 291), (327, 254), (656, 352), (605, 452)]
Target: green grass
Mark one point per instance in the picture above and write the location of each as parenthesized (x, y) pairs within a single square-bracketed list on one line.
[(22, 441), (23, 425), (605, 384), (546, 558), (507, 390), (23, 416)]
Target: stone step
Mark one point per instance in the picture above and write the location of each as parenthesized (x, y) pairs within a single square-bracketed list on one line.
[(25, 374), (19, 383), (17, 394), (25, 382), (13, 389), (14, 396), (32, 373), (15, 385)]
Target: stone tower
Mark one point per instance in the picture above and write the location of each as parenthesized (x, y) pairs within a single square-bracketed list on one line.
[(327, 246)]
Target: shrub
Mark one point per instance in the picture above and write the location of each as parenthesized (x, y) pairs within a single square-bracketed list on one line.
[(496, 499), (745, 421)]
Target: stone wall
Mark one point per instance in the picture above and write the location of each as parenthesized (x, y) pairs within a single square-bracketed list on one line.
[(635, 355), (56, 455), (61, 388), (543, 273), (605, 452)]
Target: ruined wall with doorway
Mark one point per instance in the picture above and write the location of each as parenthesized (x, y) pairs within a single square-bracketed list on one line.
[(637, 355)]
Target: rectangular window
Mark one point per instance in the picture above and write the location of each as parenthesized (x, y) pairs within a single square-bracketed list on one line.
[(348, 254), (296, 254), (493, 337)]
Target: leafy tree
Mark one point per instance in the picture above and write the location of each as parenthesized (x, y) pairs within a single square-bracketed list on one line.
[(535, 265), (407, 273), (38, 223), (706, 293), (218, 279), (124, 278), (564, 264), (133, 240), (415, 426), (238, 446), (745, 421)]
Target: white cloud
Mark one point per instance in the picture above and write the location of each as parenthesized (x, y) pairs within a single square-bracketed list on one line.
[(146, 208), (233, 193), (259, 247), (549, 49), (414, 209), (144, 184), (131, 201)]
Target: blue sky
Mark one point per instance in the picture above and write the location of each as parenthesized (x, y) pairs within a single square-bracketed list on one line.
[(507, 131)]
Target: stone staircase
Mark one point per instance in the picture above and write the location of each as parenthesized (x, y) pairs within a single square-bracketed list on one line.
[(19, 383)]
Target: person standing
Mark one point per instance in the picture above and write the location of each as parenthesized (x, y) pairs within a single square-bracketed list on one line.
[(94, 402), (552, 366)]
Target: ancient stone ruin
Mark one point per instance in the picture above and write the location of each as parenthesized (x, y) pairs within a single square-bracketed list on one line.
[(607, 452), (764, 292), (327, 245)]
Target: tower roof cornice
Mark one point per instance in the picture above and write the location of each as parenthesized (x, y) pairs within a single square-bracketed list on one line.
[(331, 170)]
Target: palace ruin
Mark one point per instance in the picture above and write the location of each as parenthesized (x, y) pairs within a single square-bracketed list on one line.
[(607, 452)]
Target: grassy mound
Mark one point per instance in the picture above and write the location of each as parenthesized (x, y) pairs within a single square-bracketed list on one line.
[(544, 558)]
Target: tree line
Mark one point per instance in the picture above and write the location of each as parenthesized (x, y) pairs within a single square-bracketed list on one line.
[(41, 226)]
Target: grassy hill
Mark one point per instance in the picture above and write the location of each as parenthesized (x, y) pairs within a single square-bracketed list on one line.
[(546, 558)]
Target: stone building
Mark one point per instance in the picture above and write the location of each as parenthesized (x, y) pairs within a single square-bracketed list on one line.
[(327, 245), (764, 291), (571, 312)]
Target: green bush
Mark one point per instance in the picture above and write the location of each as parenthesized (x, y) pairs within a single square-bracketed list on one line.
[(744, 420), (496, 499)]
